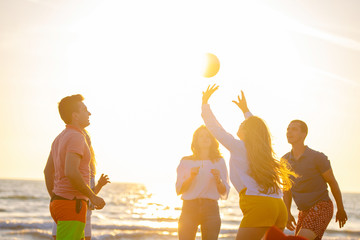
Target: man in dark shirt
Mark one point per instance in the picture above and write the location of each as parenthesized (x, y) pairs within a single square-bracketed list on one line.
[(309, 190)]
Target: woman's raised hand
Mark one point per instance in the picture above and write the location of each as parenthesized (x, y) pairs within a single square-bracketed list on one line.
[(209, 91), (241, 103)]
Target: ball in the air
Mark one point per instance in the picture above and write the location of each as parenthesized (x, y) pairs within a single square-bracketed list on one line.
[(212, 65)]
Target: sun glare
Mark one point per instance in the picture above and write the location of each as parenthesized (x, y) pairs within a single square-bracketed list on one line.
[(142, 67), (117, 63)]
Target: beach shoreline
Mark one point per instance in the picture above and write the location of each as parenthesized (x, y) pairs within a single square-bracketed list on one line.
[(133, 211)]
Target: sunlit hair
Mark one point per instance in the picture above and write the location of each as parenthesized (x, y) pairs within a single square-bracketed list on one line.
[(68, 105), (92, 154), (270, 174), (303, 126), (214, 152)]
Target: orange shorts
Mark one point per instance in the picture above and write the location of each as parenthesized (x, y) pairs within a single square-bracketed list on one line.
[(70, 223)]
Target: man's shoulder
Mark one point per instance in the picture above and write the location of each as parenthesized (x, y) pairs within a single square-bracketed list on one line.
[(316, 154), (286, 156), (59, 137), (68, 136)]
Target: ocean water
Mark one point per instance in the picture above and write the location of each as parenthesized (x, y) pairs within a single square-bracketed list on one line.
[(133, 211)]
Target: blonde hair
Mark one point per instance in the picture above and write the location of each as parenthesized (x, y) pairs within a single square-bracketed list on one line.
[(269, 173), (92, 154), (214, 152)]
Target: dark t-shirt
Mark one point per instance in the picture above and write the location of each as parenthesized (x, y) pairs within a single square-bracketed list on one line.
[(309, 187)]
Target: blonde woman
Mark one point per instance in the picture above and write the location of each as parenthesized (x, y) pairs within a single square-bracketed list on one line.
[(255, 173), (202, 179)]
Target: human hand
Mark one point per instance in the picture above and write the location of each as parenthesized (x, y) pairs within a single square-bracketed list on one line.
[(341, 217), (194, 172), (242, 104), (291, 223), (98, 202), (216, 173), (207, 94), (103, 180)]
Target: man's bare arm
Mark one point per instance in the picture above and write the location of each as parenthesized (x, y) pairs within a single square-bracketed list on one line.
[(335, 190), (72, 163)]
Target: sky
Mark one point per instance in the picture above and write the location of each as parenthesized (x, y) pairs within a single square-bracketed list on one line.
[(137, 63)]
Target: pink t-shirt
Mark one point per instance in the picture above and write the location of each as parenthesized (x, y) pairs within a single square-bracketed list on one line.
[(71, 140)]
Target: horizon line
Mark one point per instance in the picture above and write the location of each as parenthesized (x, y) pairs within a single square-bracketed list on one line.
[(125, 182)]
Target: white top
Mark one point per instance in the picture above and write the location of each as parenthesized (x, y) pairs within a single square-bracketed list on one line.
[(239, 163), (204, 184)]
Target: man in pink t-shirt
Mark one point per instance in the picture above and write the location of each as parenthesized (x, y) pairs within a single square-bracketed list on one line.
[(67, 171)]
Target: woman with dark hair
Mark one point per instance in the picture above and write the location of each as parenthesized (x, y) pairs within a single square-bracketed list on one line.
[(202, 179), (257, 175)]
